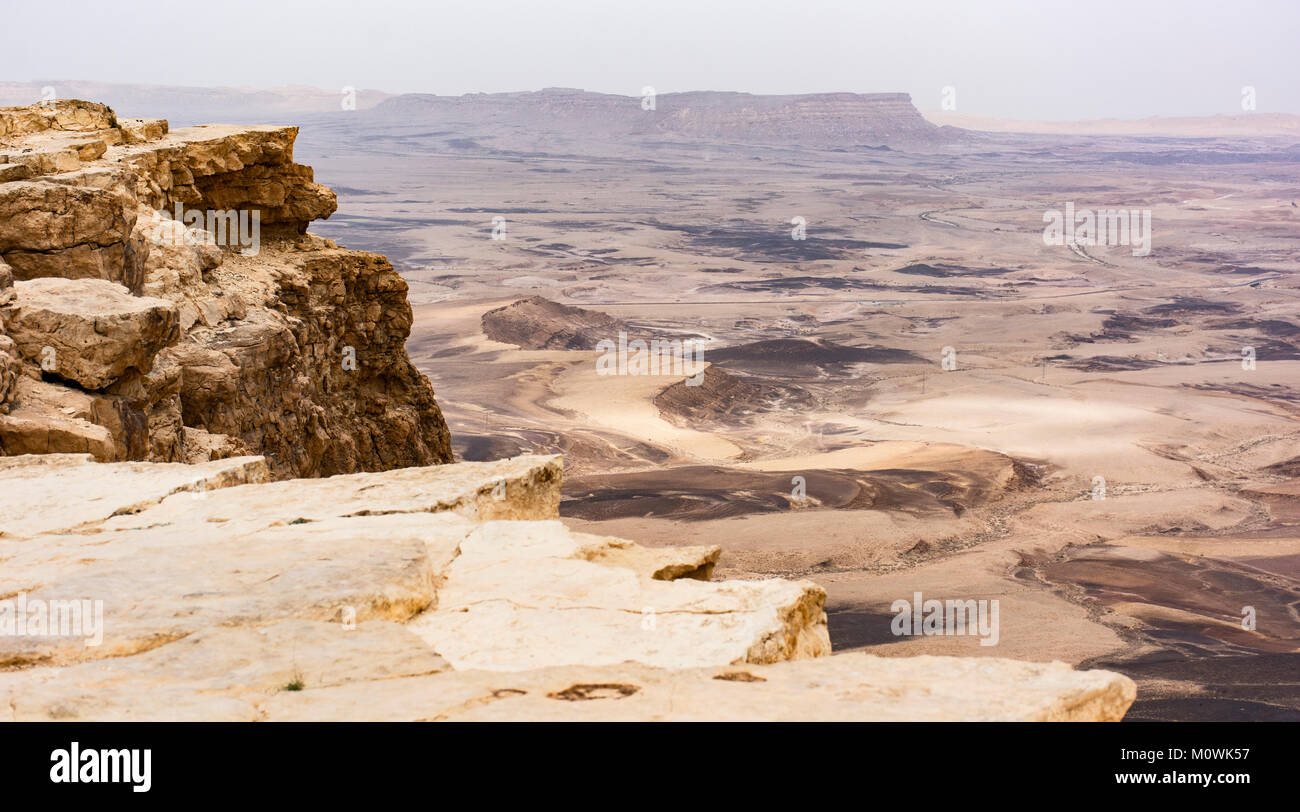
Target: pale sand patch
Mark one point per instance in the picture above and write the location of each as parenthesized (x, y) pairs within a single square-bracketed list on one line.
[(625, 404), (1101, 426), (461, 323), (1121, 513)]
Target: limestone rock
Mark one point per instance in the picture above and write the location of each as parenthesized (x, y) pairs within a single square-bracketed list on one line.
[(532, 595), (48, 493), (315, 375), (659, 563), (220, 166), (243, 555), (62, 114), (851, 687), (87, 330), (140, 130), (53, 229), (45, 419), (446, 592), (218, 674), (137, 417), (200, 446), (178, 258), (521, 488), (380, 672), (10, 369), (210, 575)]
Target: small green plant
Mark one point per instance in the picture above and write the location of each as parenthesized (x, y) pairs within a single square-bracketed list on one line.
[(295, 684)]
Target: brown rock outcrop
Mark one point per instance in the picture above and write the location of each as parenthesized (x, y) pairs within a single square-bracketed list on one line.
[(131, 334), (89, 331)]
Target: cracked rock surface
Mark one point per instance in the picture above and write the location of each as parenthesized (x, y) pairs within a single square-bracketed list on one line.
[(435, 593)]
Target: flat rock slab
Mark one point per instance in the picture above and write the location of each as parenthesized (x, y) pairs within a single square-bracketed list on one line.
[(308, 671), (449, 592), (159, 584), (358, 546), (524, 487), (850, 687), (525, 595), (218, 673), (46, 493)]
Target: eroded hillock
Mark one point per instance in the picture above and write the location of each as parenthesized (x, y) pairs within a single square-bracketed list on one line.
[(537, 323)]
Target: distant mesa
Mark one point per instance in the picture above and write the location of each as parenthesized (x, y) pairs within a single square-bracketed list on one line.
[(1239, 125), (829, 120)]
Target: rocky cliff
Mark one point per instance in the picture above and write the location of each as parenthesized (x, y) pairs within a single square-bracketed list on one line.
[(161, 300)]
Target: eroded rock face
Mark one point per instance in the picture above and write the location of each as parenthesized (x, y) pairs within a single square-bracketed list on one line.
[(132, 335), (89, 331), (447, 592), (50, 229), (10, 363)]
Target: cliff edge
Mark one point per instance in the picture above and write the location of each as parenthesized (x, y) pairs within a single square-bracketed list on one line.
[(161, 300), (205, 592)]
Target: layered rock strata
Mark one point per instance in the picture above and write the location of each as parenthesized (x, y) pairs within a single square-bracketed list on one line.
[(129, 334)]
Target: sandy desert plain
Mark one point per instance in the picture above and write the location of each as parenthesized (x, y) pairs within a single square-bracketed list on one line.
[(1102, 459)]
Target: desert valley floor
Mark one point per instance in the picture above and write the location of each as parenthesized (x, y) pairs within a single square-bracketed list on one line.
[(1098, 458)]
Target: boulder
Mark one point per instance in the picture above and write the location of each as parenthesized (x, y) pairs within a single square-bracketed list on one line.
[(89, 331), (58, 229)]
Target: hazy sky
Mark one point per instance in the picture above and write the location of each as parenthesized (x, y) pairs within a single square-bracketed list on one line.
[(1024, 59)]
